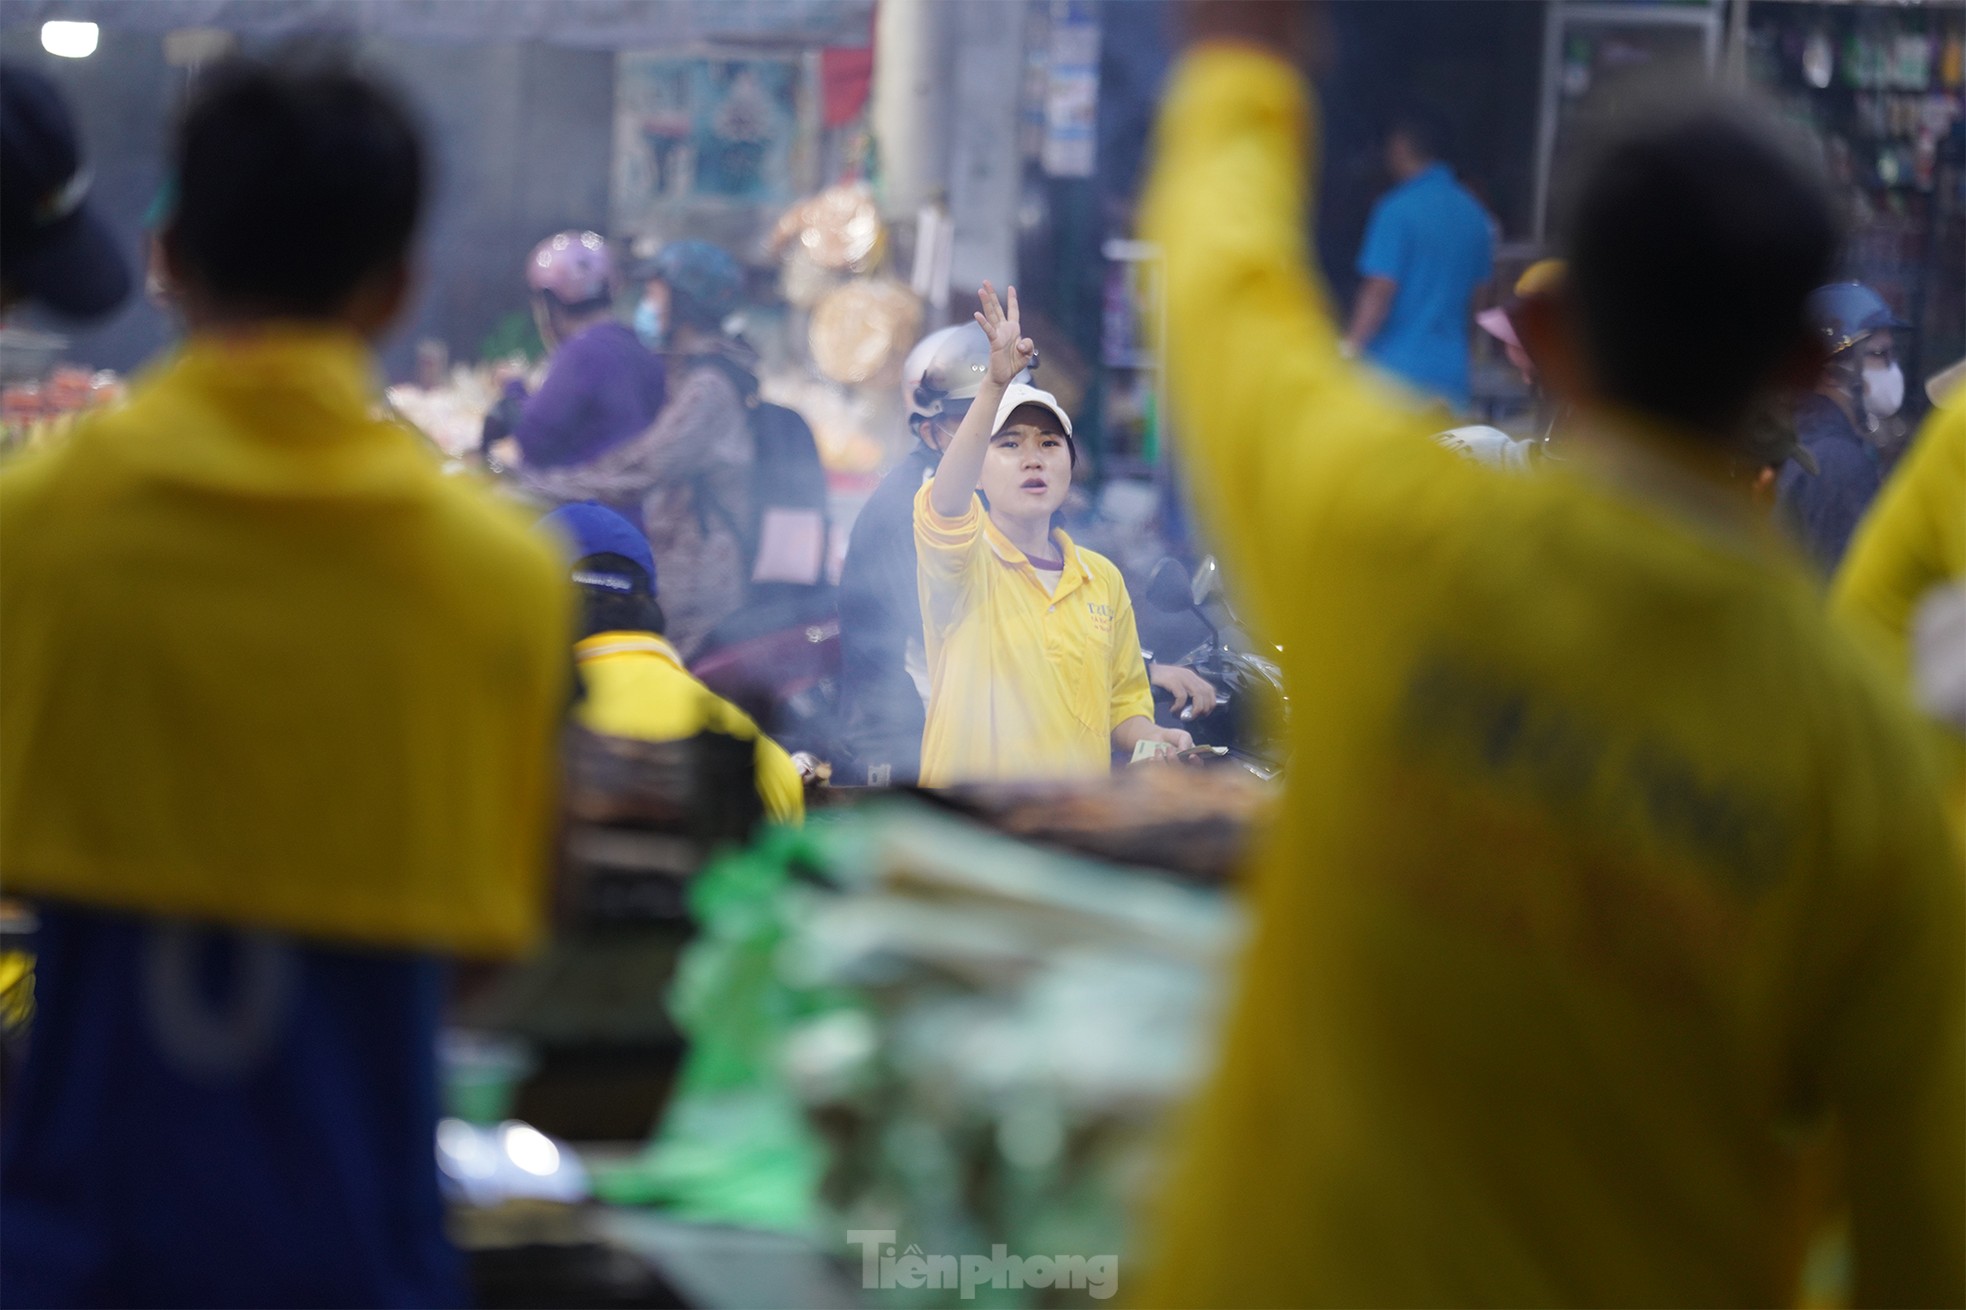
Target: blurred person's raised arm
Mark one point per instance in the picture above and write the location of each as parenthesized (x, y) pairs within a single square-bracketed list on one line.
[(1913, 539), (1260, 391)]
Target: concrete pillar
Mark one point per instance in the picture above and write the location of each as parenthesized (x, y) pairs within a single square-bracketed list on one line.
[(985, 167), (911, 101)]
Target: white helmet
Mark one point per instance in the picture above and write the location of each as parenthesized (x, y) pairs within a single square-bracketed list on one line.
[(949, 364)]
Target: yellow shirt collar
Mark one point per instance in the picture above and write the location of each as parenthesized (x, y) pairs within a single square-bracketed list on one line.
[(1636, 460), (287, 413), (1076, 573), (329, 371), (602, 645)]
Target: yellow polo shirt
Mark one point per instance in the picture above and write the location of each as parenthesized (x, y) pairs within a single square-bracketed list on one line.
[(262, 662), (1024, 682), (1610, 872), (637, 687)]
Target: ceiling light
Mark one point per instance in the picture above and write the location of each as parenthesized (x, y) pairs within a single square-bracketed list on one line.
[(69, 40)]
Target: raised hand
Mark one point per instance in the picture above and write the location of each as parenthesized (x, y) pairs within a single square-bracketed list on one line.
[(1010, 350)]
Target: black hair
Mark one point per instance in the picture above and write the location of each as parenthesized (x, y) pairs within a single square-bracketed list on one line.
[(296, 179), (687, 310), (1694, 244), (608, 609), (1424, 127)]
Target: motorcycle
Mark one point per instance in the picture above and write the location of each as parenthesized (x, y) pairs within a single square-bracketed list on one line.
[(778, 660), (1248, 726)]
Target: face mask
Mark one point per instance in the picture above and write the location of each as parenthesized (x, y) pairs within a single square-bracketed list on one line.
[(648, 324), (1884, 390)]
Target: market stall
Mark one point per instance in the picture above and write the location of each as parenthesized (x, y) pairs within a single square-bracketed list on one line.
[(1883, 87)]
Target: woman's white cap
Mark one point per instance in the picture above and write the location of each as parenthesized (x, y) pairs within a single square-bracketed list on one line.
[(1022, 393)]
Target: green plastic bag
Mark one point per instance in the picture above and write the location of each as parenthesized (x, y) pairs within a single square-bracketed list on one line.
[(734, 1147)]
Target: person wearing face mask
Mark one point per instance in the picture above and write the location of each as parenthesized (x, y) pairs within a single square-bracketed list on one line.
[(649, 326), (687, 476), (1859, 387)]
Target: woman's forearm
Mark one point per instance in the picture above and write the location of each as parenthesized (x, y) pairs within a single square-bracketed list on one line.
[(1131, 733)]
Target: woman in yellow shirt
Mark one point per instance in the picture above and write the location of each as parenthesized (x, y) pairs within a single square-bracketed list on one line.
[(1034, 661)]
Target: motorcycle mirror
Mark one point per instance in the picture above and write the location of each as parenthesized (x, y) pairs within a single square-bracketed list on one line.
[(1168, 587), (1207, 580)]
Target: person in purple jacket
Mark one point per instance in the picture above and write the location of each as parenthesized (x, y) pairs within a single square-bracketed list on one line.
[(603, 386)]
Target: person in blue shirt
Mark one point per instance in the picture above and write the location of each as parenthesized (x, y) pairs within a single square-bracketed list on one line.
[(1429, 245)]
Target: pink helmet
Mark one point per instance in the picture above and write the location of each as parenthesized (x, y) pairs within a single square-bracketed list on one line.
[(574, 266)]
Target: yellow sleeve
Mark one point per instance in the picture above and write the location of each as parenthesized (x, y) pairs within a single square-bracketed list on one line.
[(948, 555), (1913, 539), (1260, 394), (779, 784), (1133, 695)]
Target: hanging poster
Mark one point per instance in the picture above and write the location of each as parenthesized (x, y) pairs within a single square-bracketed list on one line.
[(1071, 106), (707, 129)]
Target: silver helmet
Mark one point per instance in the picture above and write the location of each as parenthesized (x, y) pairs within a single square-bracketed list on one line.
[(945, 369)]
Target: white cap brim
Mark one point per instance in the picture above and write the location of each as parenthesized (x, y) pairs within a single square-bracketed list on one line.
[(1020, 393)]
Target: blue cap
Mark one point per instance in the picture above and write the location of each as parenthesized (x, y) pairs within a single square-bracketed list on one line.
[(590, 529), (1844, 313)]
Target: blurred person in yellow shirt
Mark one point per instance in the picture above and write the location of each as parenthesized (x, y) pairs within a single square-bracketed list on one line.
[(1903, 582), (1034, 661), (633, 682), (277, 740), (1610, 874)]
